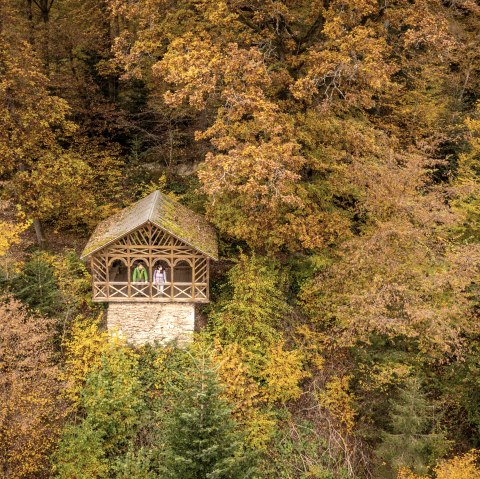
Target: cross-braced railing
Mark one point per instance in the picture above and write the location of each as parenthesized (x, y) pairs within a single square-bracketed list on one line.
[(166, 292)]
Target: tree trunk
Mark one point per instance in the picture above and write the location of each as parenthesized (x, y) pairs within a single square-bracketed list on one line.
[(42, 242), (37, 224), (45, 13), (29, 12)]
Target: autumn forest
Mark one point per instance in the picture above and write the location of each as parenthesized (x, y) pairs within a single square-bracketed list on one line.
[(334, 145)]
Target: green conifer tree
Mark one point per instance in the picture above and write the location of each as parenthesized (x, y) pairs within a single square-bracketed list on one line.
[(411, 441), (201, 441), (112, 403), (36, 285), (134, 465)]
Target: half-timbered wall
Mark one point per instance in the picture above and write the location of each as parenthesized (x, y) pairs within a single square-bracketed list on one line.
[(187, 270)]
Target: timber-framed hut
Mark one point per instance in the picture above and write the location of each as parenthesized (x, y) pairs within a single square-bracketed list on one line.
[(155, 231)]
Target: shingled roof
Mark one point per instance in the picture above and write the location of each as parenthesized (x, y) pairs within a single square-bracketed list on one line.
[(164, 213)]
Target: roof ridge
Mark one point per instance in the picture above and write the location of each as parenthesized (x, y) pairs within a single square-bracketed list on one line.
[(154, 203)]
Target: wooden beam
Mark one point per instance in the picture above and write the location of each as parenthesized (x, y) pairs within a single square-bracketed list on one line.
[(172, 270), (107, 279), (150, 261)]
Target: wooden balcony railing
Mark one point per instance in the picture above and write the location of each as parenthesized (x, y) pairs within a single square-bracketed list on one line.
[(135, 291)]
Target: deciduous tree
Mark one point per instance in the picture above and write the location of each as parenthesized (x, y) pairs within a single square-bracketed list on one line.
[(32, 408)]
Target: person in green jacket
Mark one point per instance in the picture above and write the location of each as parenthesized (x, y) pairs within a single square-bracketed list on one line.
[(140, 274)]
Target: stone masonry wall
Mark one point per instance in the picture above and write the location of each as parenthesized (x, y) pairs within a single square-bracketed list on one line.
[(142, 323)]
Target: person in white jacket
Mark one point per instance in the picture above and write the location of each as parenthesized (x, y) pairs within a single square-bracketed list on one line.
[(159, 279)]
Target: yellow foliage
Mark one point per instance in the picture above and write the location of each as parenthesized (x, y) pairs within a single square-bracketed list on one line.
[(339, 401), (244, 394), (407, 474), (381, 377), (283, 373), (50, 180), (10, 234), (276, 379), (260, 429), (312, 345), (467, 186), (83, 352), (240, 390), (459, 467)]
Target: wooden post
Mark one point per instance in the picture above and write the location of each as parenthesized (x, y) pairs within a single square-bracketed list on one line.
[(150, 262), (93, 277), (107, 276), (129, 286), (194, 282)]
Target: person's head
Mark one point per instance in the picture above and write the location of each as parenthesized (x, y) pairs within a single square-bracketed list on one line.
[(140, 265), (160, 267)]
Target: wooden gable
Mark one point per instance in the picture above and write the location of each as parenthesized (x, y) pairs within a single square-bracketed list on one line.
[(159, 210)]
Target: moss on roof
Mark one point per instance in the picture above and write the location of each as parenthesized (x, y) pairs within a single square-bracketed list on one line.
[(163, 212)]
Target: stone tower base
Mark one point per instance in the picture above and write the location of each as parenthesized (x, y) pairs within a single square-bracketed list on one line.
[(141, 323)]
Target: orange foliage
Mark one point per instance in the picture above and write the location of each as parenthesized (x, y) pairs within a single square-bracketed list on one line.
[(259, 70), (31, 408)]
